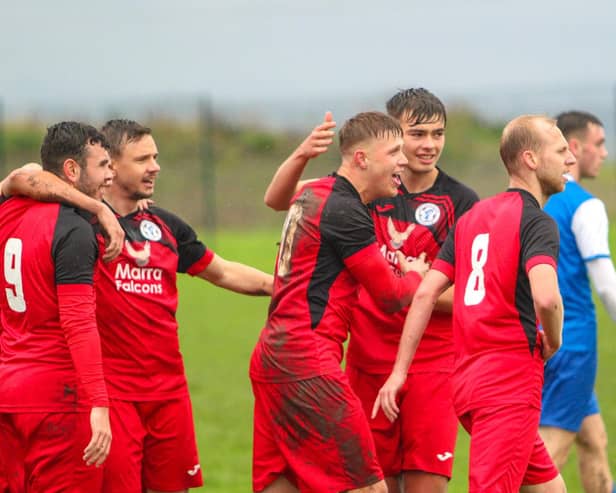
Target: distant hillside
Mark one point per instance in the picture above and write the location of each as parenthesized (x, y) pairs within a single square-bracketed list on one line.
[(215, 175)]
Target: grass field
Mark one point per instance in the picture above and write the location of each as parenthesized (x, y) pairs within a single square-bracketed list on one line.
[(218, 330)]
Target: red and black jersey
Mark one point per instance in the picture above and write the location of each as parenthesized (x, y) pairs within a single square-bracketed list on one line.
[(137, 300), (488, 255), (411, 223), (327, 247), (50, 355)]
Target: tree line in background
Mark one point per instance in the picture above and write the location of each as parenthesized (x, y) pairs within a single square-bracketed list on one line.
[(215, 176)]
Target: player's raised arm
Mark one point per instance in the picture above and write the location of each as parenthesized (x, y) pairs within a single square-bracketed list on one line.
[(417, 318), (237, 277), (31, 181), (286, 180)]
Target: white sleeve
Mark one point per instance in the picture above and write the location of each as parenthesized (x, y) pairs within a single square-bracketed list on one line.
[(590, 228), (603, 277)]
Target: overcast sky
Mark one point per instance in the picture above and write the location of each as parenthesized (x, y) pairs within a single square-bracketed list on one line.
[(247, 51)]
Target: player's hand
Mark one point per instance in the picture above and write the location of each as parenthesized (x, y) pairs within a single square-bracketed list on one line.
[(319, 139), (386, 399), (418, 265), (547, 350), (113, 232), (98, 449), (144, 204)]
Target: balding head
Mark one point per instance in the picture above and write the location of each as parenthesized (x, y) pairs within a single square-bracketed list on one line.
[(524, 133)]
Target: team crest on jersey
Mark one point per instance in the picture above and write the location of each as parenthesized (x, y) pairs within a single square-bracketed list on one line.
[(150, 231), (427, 214), (397, 238), (142, 257)]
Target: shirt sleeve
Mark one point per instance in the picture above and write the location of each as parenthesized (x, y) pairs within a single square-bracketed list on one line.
[(346, 224), (539, 240), (603, 277), (467, 200), (193, 255), (446, 259), (371, 270), (74, 248), (74, 251), (590, 228)]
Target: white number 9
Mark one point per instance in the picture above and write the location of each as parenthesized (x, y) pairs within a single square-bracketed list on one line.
[(12, 275), (475, 286)]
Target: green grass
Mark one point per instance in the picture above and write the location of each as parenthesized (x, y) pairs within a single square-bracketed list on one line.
[(218, 330)]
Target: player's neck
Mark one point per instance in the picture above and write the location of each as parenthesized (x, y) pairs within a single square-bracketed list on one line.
[(419, 182), (121, 204), (362, 189), (531, 187)]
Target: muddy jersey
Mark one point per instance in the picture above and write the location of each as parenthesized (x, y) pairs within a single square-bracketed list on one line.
[(411, 223), (488, 256), (137, 300), (50, 355), (327, 246)]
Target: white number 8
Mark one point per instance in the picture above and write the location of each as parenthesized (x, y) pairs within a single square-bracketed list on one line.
[(12, 274), (475, 286)]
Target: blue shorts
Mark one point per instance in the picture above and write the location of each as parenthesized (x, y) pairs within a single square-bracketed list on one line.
[(568, 390)]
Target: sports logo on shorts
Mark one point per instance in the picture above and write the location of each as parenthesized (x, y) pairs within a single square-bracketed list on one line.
[(150, 231), (194, 470), (427, 214)]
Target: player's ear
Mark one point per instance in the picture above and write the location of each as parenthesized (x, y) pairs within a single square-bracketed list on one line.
[(575, 146), (360, 158), (71, 170), (529, 159)]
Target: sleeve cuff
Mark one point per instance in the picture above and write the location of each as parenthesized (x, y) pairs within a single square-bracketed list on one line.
[(444, 267), (540, 259), (201, 264)]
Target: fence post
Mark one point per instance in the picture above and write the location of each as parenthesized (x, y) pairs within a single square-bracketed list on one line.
[(208, 166)]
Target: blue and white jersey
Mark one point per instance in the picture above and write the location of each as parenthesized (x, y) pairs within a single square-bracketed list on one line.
[(583, 226)]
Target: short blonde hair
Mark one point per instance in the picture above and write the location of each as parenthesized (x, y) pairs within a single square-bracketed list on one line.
[(365, 126), (522, 134)]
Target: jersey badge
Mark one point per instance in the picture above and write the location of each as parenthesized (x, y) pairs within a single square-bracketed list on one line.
[(142, 257), (397, 238), (150, 231), (427, 214)]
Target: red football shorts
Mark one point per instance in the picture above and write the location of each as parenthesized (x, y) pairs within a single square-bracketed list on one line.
[(155, 442), (315, 433), (506, 449), (45, 451), (423, 438)]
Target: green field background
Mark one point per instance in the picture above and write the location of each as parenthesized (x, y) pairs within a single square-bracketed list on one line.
[(218, 330)]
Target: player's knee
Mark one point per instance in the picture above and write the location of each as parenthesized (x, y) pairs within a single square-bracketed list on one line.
[(592, 443)]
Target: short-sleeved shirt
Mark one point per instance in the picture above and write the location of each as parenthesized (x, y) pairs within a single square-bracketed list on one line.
[(45, 247), (412, 223), (488, 255), (314, 291), (137, 300), (583, 226)]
